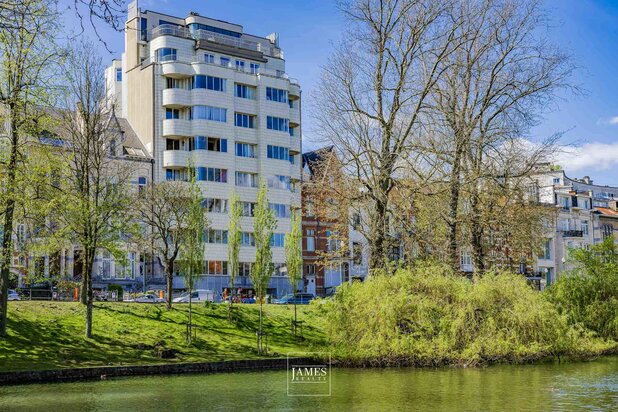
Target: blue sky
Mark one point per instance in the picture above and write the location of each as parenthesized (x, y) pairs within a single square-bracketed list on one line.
[(588, 29)]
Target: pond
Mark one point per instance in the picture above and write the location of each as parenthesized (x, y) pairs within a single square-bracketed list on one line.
[(571, 386)]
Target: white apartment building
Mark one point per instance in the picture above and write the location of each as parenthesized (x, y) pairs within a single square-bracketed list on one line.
[(577, 223), (200, 91)]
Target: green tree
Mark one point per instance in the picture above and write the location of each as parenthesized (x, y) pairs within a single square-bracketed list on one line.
[(27, 53), (94, 190), (262, 270), (233, 244), (294, 256), (588, 294), (193, 246)]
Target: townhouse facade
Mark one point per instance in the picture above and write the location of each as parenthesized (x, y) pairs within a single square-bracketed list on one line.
[(586, 214), (202, 94)]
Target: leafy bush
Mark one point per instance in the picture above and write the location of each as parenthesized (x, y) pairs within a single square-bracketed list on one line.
[(118, 289), (588, 295), (426, 315)]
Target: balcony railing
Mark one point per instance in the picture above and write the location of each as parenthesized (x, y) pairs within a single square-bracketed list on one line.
[(205, 35), (572, 233)]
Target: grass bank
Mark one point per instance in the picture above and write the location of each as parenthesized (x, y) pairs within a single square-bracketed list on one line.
[(49, 335)]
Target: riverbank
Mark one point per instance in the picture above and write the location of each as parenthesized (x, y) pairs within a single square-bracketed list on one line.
[(50, 335)]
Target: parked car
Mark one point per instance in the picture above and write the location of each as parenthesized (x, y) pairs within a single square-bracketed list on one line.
[(199, 295), (300, 299), (149, 298), (248, 300), (12, 295)]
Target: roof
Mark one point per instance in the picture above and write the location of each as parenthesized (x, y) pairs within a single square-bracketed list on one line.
[(311, 159), (132, 145), (607, 211)]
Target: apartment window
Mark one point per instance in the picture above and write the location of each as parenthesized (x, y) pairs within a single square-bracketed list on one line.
[(244, 269), (280, 210), (106, 264), (179, 175), (279, 182), (278, 152), (247, 239), (465, 259), (244, 120), (608, 231), (546, 252), (247, 208), (131, 261), (310, 270), (276, 95), (165, 54), (143, 25), (216, 114), (277, 240), (310, 240), (141, 183), (292, 159), (215, 236), (556, 180), (200, 143), (357, 253), (292, 131), (208, 82), (172, 113), (217, 145), (216, 267), (564, 202), (172, 83), (291, 103), (277, 123), (211, 174), (246, 150), (240, 65), (586, 204), (585, 229), (245, 179), (224, 61), (209, 58), (332, 241), (213, 205), (255, 68), (119, 75), (245, 92)]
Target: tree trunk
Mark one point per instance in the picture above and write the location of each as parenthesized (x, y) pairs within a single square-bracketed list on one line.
[(7, 239), (476, 229), (260, 332), (169, 275), (453, 213), (89, 263), (377, 236)]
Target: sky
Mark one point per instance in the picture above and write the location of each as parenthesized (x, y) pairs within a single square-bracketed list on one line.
[(586, 29)]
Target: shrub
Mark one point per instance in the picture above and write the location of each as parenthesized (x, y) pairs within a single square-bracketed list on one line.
[(426, 315), (588, 294)]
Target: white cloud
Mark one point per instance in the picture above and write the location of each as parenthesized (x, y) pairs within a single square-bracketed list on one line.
[(605, 121), (592, 156)]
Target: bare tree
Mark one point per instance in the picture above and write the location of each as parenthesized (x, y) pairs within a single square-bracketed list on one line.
[(164, 209), (494, 87), (95, 194), (27, 55), (374, 91)]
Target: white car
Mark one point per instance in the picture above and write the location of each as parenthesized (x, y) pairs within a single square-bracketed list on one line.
[(149, 298), (199, 295), (12, 295)]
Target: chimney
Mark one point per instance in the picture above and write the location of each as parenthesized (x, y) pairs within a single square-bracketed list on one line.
[(587, 180)]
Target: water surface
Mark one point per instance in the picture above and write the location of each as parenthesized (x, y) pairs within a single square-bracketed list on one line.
[(573, 386)]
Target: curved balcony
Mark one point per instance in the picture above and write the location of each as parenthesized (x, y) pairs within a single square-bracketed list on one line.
[(294, 143), (176, 69), (176, 98), (294, 117), (176, 127), (175, 159), (294, 89)]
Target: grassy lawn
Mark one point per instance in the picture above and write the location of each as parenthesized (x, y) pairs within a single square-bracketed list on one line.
[(47, 335)]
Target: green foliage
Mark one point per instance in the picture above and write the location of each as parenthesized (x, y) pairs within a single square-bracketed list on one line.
[(293, 250), (588, 294), (234, 238), (263, 228), (425, 315), (118, 289)]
